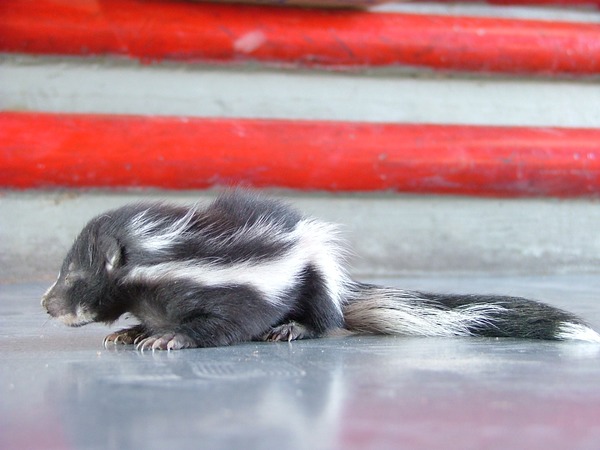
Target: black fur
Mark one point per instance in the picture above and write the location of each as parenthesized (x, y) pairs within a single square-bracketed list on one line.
[(523, 318), (247, 268), (312, 307)]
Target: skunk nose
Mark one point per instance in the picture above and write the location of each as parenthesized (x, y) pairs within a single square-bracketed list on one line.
[(47, 294), (51, 307)]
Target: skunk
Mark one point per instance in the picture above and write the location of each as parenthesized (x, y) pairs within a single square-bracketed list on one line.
[(247, 268)]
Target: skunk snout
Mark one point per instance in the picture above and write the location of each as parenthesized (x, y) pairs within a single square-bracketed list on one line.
[(44, 302), (50, 306), (52, 303)]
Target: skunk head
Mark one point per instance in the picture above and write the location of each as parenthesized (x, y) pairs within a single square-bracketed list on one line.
[(82, 292)]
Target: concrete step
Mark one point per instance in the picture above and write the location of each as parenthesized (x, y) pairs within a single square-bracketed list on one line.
[(389, 234)]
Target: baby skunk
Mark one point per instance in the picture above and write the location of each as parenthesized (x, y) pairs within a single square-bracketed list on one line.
[(247, 268)]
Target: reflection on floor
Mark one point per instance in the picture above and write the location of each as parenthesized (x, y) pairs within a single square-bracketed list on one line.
[(61, 389)]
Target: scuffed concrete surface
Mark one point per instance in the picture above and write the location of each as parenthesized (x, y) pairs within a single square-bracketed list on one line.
[(61, 389)]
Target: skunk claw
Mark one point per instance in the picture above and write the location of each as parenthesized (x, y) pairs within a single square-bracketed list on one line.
[(168, 341)]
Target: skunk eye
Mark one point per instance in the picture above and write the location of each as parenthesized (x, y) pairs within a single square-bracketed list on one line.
[(72, 276), (69, 279)]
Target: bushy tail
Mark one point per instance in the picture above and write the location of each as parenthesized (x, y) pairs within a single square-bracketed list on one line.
[(381, 310)]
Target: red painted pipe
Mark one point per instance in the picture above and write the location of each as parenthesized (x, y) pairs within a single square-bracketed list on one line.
[(569, 3), (87, 151), (155, 30), (370, 3)]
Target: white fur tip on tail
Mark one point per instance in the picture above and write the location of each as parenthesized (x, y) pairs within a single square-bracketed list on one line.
[(575, 331)]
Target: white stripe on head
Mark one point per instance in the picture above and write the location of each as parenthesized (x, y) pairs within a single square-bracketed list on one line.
[(49, 290)]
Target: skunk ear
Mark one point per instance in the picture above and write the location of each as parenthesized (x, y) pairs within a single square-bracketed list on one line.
[(112, 251)]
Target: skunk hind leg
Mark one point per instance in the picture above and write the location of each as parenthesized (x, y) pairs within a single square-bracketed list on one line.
[(289, 331), (315, 312)]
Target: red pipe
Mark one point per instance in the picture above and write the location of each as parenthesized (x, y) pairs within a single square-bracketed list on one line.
[(569, 3), (88, 151), (156, 30), (370, 3)]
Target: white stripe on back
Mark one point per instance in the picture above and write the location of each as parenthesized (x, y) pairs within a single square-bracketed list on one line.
[(316, 244)]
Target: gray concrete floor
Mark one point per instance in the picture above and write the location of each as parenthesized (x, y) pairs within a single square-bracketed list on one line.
[(60, 389)]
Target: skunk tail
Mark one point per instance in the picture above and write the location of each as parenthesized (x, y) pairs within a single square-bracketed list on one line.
[(381, 310)]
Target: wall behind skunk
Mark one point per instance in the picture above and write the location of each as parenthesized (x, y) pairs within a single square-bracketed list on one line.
[(538, 226), (390, 234)]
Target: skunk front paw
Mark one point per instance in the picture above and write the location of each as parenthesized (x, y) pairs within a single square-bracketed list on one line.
[(166, 341), (126, 336)]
